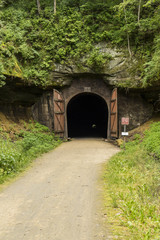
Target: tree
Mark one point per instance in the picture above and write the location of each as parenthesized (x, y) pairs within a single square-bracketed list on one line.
[(139, 11), (38, 6), (1, 3), (129, 8), (128, 39), (55, 7)]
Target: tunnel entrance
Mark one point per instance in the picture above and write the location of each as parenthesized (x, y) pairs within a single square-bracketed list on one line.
[(87, 116)]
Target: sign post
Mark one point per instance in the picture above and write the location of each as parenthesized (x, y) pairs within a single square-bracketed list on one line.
[(125, 122)]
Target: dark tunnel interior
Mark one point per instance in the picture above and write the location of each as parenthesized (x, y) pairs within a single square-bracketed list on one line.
[(87, 116)]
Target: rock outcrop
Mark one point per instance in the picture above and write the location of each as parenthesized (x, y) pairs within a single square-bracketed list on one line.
[(115, 71)]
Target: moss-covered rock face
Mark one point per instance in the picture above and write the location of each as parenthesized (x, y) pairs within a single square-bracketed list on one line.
[(115, 70), (44, 49)]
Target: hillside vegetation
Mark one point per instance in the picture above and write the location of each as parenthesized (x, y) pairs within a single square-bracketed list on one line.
[(132, 188), (20, 143), (33, 41)]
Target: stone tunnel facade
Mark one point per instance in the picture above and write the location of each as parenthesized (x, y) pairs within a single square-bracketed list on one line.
[(130, 104)]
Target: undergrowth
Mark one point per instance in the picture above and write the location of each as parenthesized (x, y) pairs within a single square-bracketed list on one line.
[(132, 188), (30, 142)]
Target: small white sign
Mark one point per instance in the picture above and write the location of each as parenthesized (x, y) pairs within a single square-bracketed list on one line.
[(87, 89), (125, 134)]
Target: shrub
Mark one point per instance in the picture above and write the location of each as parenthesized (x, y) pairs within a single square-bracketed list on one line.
[(132, 188), (10, 155), (152, 140), (15, 156)]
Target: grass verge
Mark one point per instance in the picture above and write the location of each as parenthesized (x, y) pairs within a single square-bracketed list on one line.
[(132, 188), (25, 145)]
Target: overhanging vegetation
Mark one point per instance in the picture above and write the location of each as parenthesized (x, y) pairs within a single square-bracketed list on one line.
[(32, 41)]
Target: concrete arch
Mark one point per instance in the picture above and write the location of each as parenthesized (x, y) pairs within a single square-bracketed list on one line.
[(87, 115)]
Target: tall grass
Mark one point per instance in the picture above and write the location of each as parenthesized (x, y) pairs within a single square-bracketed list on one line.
[(32, 142), (132, 189)]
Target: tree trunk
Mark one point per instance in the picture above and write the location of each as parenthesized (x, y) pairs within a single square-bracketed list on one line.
[(139, 10), (128, 39), (55, 8), (38, 6), (129, 48)]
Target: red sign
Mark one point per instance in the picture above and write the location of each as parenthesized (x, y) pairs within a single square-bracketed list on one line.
[(125, 121)]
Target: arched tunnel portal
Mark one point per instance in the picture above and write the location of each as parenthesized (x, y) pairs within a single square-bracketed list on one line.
[(87, 116)]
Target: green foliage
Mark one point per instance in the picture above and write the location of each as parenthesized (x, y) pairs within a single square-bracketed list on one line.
[(1, 3), (97, 60), (10, 157), (132, 179), (2, 77), (152, 140), (32, 44), (152, 67), (34, 141)]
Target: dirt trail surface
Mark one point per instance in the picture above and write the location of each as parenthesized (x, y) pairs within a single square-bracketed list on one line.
[(57, 198)]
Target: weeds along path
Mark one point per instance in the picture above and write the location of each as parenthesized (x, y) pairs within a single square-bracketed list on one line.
[(58, 198)]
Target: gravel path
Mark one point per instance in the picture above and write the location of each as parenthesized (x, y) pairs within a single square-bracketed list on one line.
[(57, 199)]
